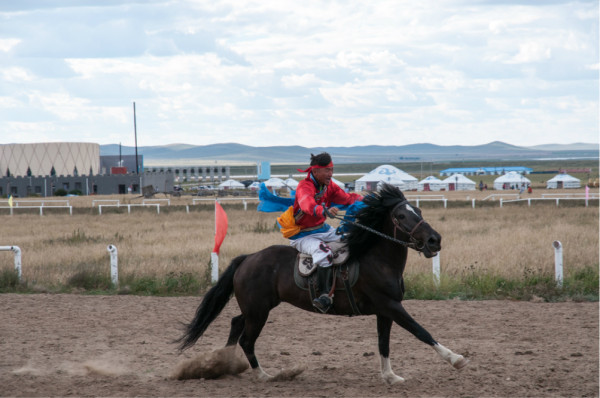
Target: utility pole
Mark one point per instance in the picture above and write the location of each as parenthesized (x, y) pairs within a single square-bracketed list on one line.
[(137, 164)]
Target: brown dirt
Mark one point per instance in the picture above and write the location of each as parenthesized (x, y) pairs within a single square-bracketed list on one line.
[(60, 345)]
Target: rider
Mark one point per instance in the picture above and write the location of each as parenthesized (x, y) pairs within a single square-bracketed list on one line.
[(314, 194)]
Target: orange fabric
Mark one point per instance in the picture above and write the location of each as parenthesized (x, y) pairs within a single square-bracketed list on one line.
[(288, 223)]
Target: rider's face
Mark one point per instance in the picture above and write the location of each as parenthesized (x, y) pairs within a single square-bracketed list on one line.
[(323, 176)]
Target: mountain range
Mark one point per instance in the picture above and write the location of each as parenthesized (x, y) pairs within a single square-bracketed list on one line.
[(238, 153)]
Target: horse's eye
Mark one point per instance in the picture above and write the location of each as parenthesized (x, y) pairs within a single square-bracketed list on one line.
[(401, 216)]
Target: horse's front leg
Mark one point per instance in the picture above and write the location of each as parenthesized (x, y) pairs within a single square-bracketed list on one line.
[(396, 311), (384, 326)]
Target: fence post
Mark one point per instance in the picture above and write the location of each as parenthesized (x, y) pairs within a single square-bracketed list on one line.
[(114, 265), (436, 269), (558, 263), (214, 262), (17, 251)]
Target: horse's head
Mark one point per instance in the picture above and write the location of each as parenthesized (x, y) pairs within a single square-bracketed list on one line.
[(409, 223), (387, 211)]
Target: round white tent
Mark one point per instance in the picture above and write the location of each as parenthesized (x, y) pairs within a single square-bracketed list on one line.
[(563, 181), (231, 184), (338, 183), (431, 183), (275, 182), (254, 186), (458, 182), (385, 173), (291, 183), (511, 180)]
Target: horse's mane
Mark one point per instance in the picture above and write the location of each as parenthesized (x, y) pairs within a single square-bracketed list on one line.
[(372, 216)]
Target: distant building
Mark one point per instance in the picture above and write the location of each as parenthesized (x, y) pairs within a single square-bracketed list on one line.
[(476, 171), (43, 168), (195, 173), (110, 162), (98, 184), (49, 158)]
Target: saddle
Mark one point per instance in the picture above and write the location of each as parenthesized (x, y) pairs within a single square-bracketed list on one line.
[(344, 272)]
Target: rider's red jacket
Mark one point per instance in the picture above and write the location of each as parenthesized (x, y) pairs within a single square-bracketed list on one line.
[(311, 198)]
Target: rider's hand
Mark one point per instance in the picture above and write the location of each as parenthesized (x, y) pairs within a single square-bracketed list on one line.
[(333, 211)]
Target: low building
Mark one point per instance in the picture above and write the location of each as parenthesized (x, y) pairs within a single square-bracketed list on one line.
[(99, 184), (478, 171)]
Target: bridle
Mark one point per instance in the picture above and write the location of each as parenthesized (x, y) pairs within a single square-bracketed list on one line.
[(414, 243)]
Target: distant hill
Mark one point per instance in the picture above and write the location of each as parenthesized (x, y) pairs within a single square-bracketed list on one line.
[(238, 153)]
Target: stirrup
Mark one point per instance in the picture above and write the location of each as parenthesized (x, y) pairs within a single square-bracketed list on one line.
[(323, 303)]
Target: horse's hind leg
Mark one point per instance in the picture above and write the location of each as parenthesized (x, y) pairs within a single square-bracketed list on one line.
[(252, 327), (237, 328), (384, 326)]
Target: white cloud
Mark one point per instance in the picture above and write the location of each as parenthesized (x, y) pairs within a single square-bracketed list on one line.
[(275, 73)]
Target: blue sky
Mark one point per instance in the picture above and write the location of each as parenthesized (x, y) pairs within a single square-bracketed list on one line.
[(310, 73)]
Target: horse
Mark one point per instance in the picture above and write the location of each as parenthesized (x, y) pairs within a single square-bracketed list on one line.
[(379, 239)]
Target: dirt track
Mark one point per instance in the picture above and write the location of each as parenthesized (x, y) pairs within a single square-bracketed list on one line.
[(59, 345)]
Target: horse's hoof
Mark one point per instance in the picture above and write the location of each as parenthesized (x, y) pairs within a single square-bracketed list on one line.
[(392, 379), (461, 363), (262, 375)]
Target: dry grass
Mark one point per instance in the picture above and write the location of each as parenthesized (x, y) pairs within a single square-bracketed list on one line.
[(509, 241)]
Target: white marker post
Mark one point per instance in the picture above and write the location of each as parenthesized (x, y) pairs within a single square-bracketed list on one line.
[(436, 269), (558, 263), (214, 271), (17, 251), (114, 265)]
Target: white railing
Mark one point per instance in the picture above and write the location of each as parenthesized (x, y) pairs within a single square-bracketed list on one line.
[(500, 195), (107, 201), (570, 195), (42, 202), (529, 200), (129, 206), (152, 201), (41, 208), (243, 200)]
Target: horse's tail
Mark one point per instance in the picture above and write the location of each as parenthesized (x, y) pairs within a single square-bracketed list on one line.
[(211, 306)]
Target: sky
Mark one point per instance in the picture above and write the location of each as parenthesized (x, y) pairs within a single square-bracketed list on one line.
[(310, 73)]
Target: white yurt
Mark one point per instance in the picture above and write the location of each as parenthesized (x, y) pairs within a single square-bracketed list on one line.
[(431, 183), (338, 183), (275, 182), (231, 184), (291, 183), (254, 186), (563, 181), (386, 173), (458, 182), (511, 180)]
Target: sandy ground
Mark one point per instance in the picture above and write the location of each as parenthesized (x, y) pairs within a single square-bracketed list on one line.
[(65, 345)]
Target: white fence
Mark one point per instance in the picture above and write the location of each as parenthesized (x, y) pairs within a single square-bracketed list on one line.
[(243, 200), (40, 208)]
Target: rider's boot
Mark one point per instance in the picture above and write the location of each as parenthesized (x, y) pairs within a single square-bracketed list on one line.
[(324, 302)]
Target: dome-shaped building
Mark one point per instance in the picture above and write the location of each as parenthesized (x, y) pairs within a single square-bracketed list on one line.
[(49, 159)]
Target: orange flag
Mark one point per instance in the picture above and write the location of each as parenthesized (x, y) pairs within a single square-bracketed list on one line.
[(220, 226)]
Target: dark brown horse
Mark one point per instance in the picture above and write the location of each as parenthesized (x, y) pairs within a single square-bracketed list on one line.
[(262, 280)]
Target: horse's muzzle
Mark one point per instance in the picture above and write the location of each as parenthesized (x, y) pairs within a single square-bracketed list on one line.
[(432, 246)]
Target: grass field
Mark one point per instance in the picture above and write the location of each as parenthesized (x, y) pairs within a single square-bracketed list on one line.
[(487, 251)]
